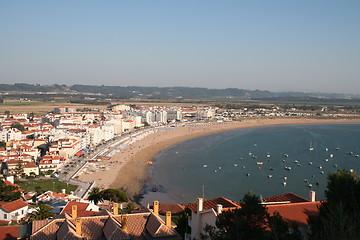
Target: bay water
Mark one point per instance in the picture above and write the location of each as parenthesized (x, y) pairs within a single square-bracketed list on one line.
[(266, 160)]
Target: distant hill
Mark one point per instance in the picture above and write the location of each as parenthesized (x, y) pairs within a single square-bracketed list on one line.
[(120, 92)]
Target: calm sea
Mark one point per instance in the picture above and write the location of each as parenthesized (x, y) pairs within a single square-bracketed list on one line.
[(231, 163)]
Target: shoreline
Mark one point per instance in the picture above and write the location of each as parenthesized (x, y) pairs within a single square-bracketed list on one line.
[(128, 170)]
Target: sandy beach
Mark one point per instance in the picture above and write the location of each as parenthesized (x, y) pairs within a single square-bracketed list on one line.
[(128, 170)]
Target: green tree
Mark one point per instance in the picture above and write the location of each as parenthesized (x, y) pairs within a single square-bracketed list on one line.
[(130, 206), (19, 169), (2, 144), (18, 126), (114, 195), (41, 211), (339, 216), (7, 113), (181, 222), (95, 195), (31, 116), (8, 193)]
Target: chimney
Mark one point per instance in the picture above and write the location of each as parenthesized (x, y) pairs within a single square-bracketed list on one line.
[(74, 211), (78, 226), (168, 219), (116, 209), (156, 207), (200, 204), (312, 196), (123, 222), (219, 208)]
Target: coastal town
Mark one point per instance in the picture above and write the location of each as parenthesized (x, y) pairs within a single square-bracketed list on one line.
[(88, 150)]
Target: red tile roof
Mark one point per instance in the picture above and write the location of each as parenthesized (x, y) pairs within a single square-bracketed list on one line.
[(81, 209), (30, 165), (139, 226), (295, 212), (172, 207), (212, 203), (287, 197), (9, 232), (13, 206)]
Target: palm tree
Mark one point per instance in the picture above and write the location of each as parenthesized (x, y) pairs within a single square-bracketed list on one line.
[(95, 195), (41, 211)]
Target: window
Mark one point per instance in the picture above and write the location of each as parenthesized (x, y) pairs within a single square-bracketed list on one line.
[(5, 216)]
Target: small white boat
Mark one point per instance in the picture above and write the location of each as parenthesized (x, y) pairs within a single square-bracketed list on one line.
[(284, 160), (205, 165), (326, 160), (235, 165), (287, 168), (331, 155), (311, 148), (320, 167), (268, 155), (285, 178), (284, 183), (248, 174), (322, 172), (326, 149), (270, 176), (310, 185), (286, 155), (310, 163), (305, 180)]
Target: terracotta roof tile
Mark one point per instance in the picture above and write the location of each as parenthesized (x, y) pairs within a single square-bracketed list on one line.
[(47, 231), (14, 205), (295, 212), (112, 230), (109, 226), (172, 207), (290, 197), (67, 231), (212, 203), (135, 224), (81, 209), (157, 229), (9, 232)]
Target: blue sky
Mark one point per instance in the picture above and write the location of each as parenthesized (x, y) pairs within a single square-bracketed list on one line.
[(284, 45)]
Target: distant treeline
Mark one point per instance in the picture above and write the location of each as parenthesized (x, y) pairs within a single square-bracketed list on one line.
[(170, 92), (24, 87), (177, 94)]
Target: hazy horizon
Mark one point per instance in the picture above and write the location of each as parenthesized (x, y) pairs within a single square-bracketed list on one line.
[(278, 46)]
